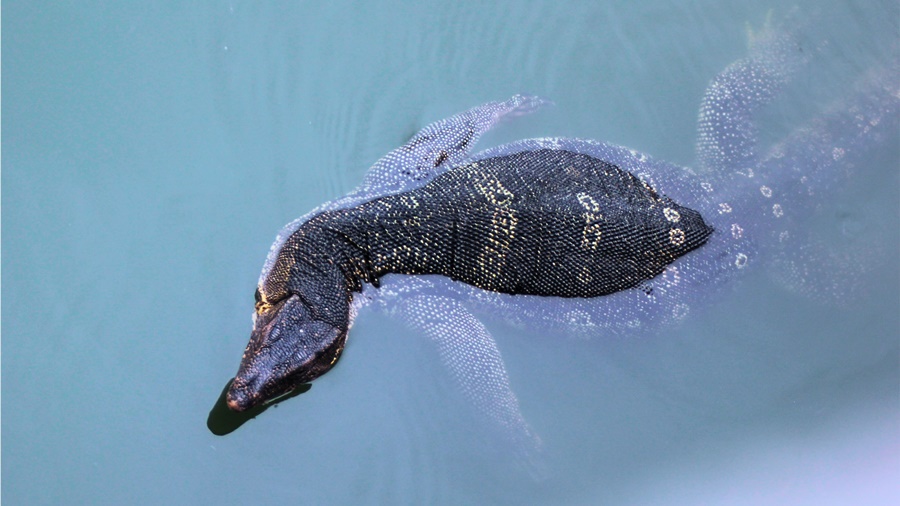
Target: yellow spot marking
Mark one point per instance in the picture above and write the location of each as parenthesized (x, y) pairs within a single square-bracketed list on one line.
[(590, 236), (672, 215), (494, 192), (587, 202), (671, 276), (493, 257), (262, 305), (409, 201), (585, 275)]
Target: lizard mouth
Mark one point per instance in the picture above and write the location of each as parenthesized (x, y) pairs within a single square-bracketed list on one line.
[(246, 392)]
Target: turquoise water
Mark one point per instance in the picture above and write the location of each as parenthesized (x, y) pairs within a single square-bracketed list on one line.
[(152, 152)]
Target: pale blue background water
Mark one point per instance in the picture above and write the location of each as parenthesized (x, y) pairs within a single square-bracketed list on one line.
[(151, 152)]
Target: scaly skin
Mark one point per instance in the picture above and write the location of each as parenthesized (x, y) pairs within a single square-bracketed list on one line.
[(745, 208)]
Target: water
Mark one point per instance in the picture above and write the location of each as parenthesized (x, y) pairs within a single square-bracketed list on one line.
[(151, 153)]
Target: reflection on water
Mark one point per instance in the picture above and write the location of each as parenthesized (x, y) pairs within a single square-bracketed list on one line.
[(223, 421)]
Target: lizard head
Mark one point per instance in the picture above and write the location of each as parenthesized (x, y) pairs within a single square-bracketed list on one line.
[(288, 347)]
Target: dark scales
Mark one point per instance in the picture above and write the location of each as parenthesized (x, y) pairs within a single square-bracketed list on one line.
[(544, 222)]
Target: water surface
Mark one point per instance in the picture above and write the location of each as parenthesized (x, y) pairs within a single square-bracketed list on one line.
[(151, 153)]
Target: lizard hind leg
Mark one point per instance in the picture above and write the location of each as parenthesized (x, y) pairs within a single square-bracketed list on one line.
[(726, 127)]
